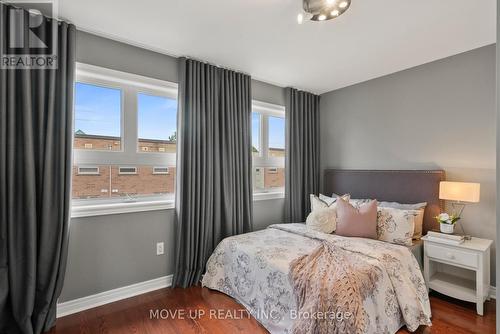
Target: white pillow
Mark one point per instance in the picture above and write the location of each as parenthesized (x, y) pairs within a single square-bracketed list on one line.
[(328, 200), (419, 219), (324, 201), (322, 220), (323, 216), (357, 203), (395, 225)]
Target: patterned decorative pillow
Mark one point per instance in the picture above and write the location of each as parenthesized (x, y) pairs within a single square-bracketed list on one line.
[(395, 225), (419, 220), (323, 216), (420, 207), (357, 203)]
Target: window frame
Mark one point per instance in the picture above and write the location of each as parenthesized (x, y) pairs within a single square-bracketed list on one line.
[(130, 85), (263, 159)]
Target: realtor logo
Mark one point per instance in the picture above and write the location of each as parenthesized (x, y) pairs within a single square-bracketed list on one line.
[(30, 40)]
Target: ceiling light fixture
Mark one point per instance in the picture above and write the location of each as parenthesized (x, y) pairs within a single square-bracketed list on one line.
[(322, 10), (34, 12)]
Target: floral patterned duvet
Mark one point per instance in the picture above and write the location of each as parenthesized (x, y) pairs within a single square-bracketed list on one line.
[(254, 268)]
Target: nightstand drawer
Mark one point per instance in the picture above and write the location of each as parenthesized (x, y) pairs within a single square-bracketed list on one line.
[(449, 254)]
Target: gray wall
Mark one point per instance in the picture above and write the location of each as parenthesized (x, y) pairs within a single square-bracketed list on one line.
[(99, 51), (108, 252), (438, 115), (498, 159)]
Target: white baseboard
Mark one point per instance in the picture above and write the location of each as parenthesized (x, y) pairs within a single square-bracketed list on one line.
[(85, 303), (106, 297), (493, 292)]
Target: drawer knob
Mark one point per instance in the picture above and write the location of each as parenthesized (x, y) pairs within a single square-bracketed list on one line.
[(450, 256)]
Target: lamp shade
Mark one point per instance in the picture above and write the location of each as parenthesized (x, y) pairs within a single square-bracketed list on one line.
[(459, 191)]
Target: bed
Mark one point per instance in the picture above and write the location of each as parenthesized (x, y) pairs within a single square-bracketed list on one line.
[(259, 269)]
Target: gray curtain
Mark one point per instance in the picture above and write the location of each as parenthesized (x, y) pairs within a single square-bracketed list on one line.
[(35, 173), (302, 153), (214, 180)]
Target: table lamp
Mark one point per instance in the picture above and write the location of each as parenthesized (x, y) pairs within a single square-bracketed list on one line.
[(459, 193)]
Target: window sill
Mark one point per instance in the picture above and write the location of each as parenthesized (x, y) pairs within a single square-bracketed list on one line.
[(263, 196), (103, 209)]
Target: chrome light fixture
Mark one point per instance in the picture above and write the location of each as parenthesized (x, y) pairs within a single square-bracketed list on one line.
[(322, 10)]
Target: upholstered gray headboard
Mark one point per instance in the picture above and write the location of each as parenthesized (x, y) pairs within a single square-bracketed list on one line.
[(403, 186)]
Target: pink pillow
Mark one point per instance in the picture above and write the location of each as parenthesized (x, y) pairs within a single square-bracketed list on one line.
[(352, 222)]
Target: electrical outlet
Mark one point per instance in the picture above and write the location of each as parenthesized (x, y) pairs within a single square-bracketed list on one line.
[(159, 248)]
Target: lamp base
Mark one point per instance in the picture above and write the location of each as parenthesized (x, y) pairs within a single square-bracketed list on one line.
[(459, 212)]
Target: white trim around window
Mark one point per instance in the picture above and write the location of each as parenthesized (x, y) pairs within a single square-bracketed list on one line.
[(130, 85), (263, 160), (103, 209), (130, 154), (267, 195), (266, 110), (128, 157)]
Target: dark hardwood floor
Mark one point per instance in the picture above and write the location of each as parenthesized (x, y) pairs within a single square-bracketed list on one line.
[(132, 315)]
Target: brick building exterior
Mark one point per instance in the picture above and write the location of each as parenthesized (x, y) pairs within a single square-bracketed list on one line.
[(109, 182), (106, 181), (107, 143)]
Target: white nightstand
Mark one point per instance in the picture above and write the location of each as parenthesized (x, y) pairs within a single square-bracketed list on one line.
[(441, 275)]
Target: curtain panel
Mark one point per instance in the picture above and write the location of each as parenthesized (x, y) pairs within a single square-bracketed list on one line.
[(302, 153), (214, 161), (36, 128)]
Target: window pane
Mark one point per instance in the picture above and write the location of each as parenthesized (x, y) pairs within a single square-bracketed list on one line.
[(97, 117), (255, 134), (276, 136), (146, 181), (157, 123), (266, 178), (128, 183), (88, 185)]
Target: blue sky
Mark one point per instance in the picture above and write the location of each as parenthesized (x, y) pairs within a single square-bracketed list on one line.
[(97, 112), (255, 130), (276, 131), (157, 117)]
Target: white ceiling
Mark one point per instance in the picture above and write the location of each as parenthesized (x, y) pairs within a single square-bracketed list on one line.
[(262, 37)]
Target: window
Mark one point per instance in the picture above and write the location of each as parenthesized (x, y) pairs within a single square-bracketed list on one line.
[(268, 148), (160, 170), (157, 121), (276, 137), (125, 142), (127, 170), (272, 170), (97, 117), (88, 170), (256, 121)]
